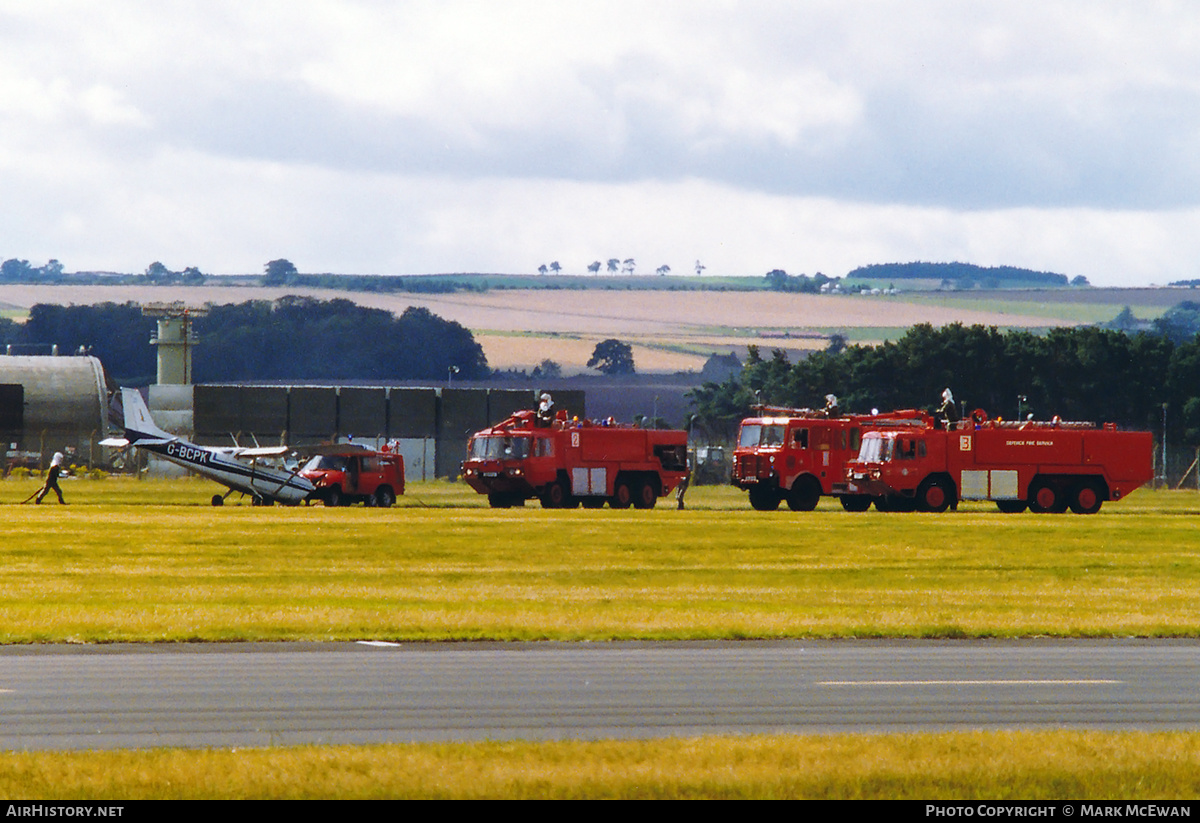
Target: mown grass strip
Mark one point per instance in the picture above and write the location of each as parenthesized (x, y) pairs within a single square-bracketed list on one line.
[(950, 766), (148, 561)]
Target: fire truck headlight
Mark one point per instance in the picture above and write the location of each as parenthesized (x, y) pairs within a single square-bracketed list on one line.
[(876, 474)]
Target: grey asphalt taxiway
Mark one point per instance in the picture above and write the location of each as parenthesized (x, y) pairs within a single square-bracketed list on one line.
[(202, 695)]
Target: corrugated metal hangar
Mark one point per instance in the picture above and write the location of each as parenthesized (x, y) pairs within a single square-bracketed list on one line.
[(50, 404)]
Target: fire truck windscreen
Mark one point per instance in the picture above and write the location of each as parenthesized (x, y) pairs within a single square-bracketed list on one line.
[(325, 462), (875, 449), (498, 447), (756, 435)]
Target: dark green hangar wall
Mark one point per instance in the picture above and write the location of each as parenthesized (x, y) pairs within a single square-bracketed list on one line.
[(431, 424)]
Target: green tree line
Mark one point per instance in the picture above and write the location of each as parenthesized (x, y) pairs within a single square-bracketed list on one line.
[(1083, 373), (293, 338)]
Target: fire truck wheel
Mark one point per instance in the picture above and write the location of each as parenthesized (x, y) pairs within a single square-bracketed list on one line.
[(556, 496), (804, 495), (934, 495), (385, 498), (1086, 497), (333, 496), (1011, 506), (499, 501), (622, 495), (856, 502), (764, 498), (647, 495), (1046, 498), (895, 503)]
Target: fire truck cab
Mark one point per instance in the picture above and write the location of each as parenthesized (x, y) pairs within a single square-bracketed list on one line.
[(797, 455)]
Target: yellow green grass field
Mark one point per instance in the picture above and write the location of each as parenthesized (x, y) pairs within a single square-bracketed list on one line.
[(952, 766), (132, 560), (152, 561)]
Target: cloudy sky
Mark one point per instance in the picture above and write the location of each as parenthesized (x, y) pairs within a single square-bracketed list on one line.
[(414, 137)]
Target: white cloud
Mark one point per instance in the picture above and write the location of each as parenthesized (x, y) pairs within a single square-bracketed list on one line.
[(423, 136)]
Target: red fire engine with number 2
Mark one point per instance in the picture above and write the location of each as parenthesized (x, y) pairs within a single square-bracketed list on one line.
[(566, 463)]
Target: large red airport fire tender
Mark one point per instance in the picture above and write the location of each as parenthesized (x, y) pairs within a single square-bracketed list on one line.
[(566, 462), (798, 455), (1045, 466)]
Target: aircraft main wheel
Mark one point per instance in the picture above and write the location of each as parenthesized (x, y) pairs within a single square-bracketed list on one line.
[(647, 495), (218, 500), (764, 498), (1086, 497), (804, 495), (385, 498), (934, 495)]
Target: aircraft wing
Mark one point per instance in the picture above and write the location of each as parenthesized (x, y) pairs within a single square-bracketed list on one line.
[(251, 452), (154, 441), (264, 451)]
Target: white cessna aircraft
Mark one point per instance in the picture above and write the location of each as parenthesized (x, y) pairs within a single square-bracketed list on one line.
[(237, 467)]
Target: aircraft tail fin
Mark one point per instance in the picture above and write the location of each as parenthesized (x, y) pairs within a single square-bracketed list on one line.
[(139, 425)]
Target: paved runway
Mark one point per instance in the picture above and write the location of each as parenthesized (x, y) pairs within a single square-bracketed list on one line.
[(124, 696)]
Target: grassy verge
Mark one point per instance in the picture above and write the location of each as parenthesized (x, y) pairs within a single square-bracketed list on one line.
[(959, 766), (149, 561), (132, 560)]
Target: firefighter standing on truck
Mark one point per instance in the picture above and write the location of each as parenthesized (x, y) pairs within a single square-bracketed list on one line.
[(948, 411), (545, 412)]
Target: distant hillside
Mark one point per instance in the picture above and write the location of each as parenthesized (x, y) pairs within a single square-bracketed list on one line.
[(962, 275)]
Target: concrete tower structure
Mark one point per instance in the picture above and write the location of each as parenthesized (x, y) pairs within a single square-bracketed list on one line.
[(174, 340), (171, 400)]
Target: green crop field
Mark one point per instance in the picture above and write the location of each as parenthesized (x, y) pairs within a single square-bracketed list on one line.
[(135, 560)]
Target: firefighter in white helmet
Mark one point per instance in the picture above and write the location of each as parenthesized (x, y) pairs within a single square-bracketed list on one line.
[(948, 411), (545, 412), (52, 479)]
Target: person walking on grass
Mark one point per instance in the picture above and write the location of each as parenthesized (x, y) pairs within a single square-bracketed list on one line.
[(52, 479)]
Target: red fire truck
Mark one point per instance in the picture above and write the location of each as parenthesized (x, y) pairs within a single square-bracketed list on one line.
[(345, 474), (798, 455), (566, 462), (1046, 466)]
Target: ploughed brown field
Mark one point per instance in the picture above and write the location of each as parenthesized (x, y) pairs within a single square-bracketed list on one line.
[(670, 330)]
